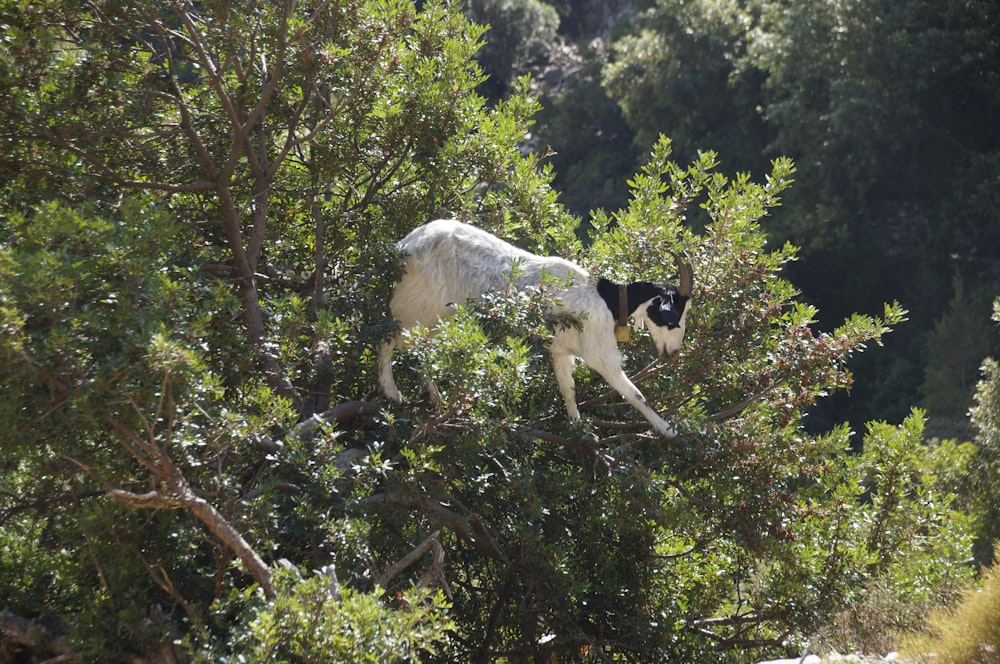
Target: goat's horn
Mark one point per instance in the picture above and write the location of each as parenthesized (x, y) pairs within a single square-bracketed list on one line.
[(686, 275)]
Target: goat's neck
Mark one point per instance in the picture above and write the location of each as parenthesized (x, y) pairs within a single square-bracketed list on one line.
[(638, 292)]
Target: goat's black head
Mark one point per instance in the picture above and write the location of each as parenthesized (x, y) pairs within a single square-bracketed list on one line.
[(667, 312)]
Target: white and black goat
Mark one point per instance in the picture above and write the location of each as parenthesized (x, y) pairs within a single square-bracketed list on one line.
[(447, 262)]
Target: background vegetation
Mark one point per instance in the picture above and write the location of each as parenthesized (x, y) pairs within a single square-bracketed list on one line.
[(196, 249)]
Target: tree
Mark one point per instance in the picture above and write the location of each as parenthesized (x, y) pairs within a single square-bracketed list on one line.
[(295, 141), (588, 143), (605, 541), (951, 373), (679, 67)]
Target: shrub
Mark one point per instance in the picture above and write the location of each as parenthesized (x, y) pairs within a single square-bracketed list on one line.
[(313, 620)]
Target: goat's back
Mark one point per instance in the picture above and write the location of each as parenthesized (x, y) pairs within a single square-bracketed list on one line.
[(447, 262)]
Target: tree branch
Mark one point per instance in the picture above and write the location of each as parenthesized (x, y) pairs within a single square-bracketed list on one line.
[(576, 446), (338, 413), (430, 544), (636, 378), (482, 542), (148, 500), (734, 410), (42, 503)]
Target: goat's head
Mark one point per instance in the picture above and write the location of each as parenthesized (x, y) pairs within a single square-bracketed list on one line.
[(666, 314)]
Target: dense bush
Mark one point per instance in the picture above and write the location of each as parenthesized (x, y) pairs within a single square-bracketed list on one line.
[(189, 304)]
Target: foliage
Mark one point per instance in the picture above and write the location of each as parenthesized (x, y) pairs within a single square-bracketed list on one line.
[(966, 634), (743, 535), (900, 492), (310, 622), (682, 56), (194, 259), (594, 145), (872, 95), (153, 361), (109, 335)]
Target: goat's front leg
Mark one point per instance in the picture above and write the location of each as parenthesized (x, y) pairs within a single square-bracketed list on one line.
[(562, 366), (620, 382)]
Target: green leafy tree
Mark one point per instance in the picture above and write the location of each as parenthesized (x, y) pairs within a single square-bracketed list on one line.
[(955, 348), (679, 68), (884, 102), (588, 143), (606, 542), (314, 621), (154, 360)]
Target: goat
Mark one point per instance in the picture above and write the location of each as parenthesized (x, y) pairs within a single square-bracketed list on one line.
[(447, 261)]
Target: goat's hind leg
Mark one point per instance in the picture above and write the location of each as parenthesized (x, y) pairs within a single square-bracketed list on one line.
[(562, 366), (385, 380)]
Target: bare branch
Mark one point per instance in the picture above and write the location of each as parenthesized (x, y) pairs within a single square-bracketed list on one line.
[(43, 503), (695, 500), (166, 472), (149, 500), (602, 399), (184, 496), (186, 125), (576, 446), (338, 413), (429, 544), (162, 579), (193, 39), (734, 410), (436, 570), (167, 187), (271, 81)]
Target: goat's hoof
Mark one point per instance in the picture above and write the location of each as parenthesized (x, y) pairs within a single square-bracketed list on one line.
[(668, 434)]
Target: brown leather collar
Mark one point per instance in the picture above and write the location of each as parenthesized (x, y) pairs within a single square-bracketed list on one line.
[(622, 306)]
